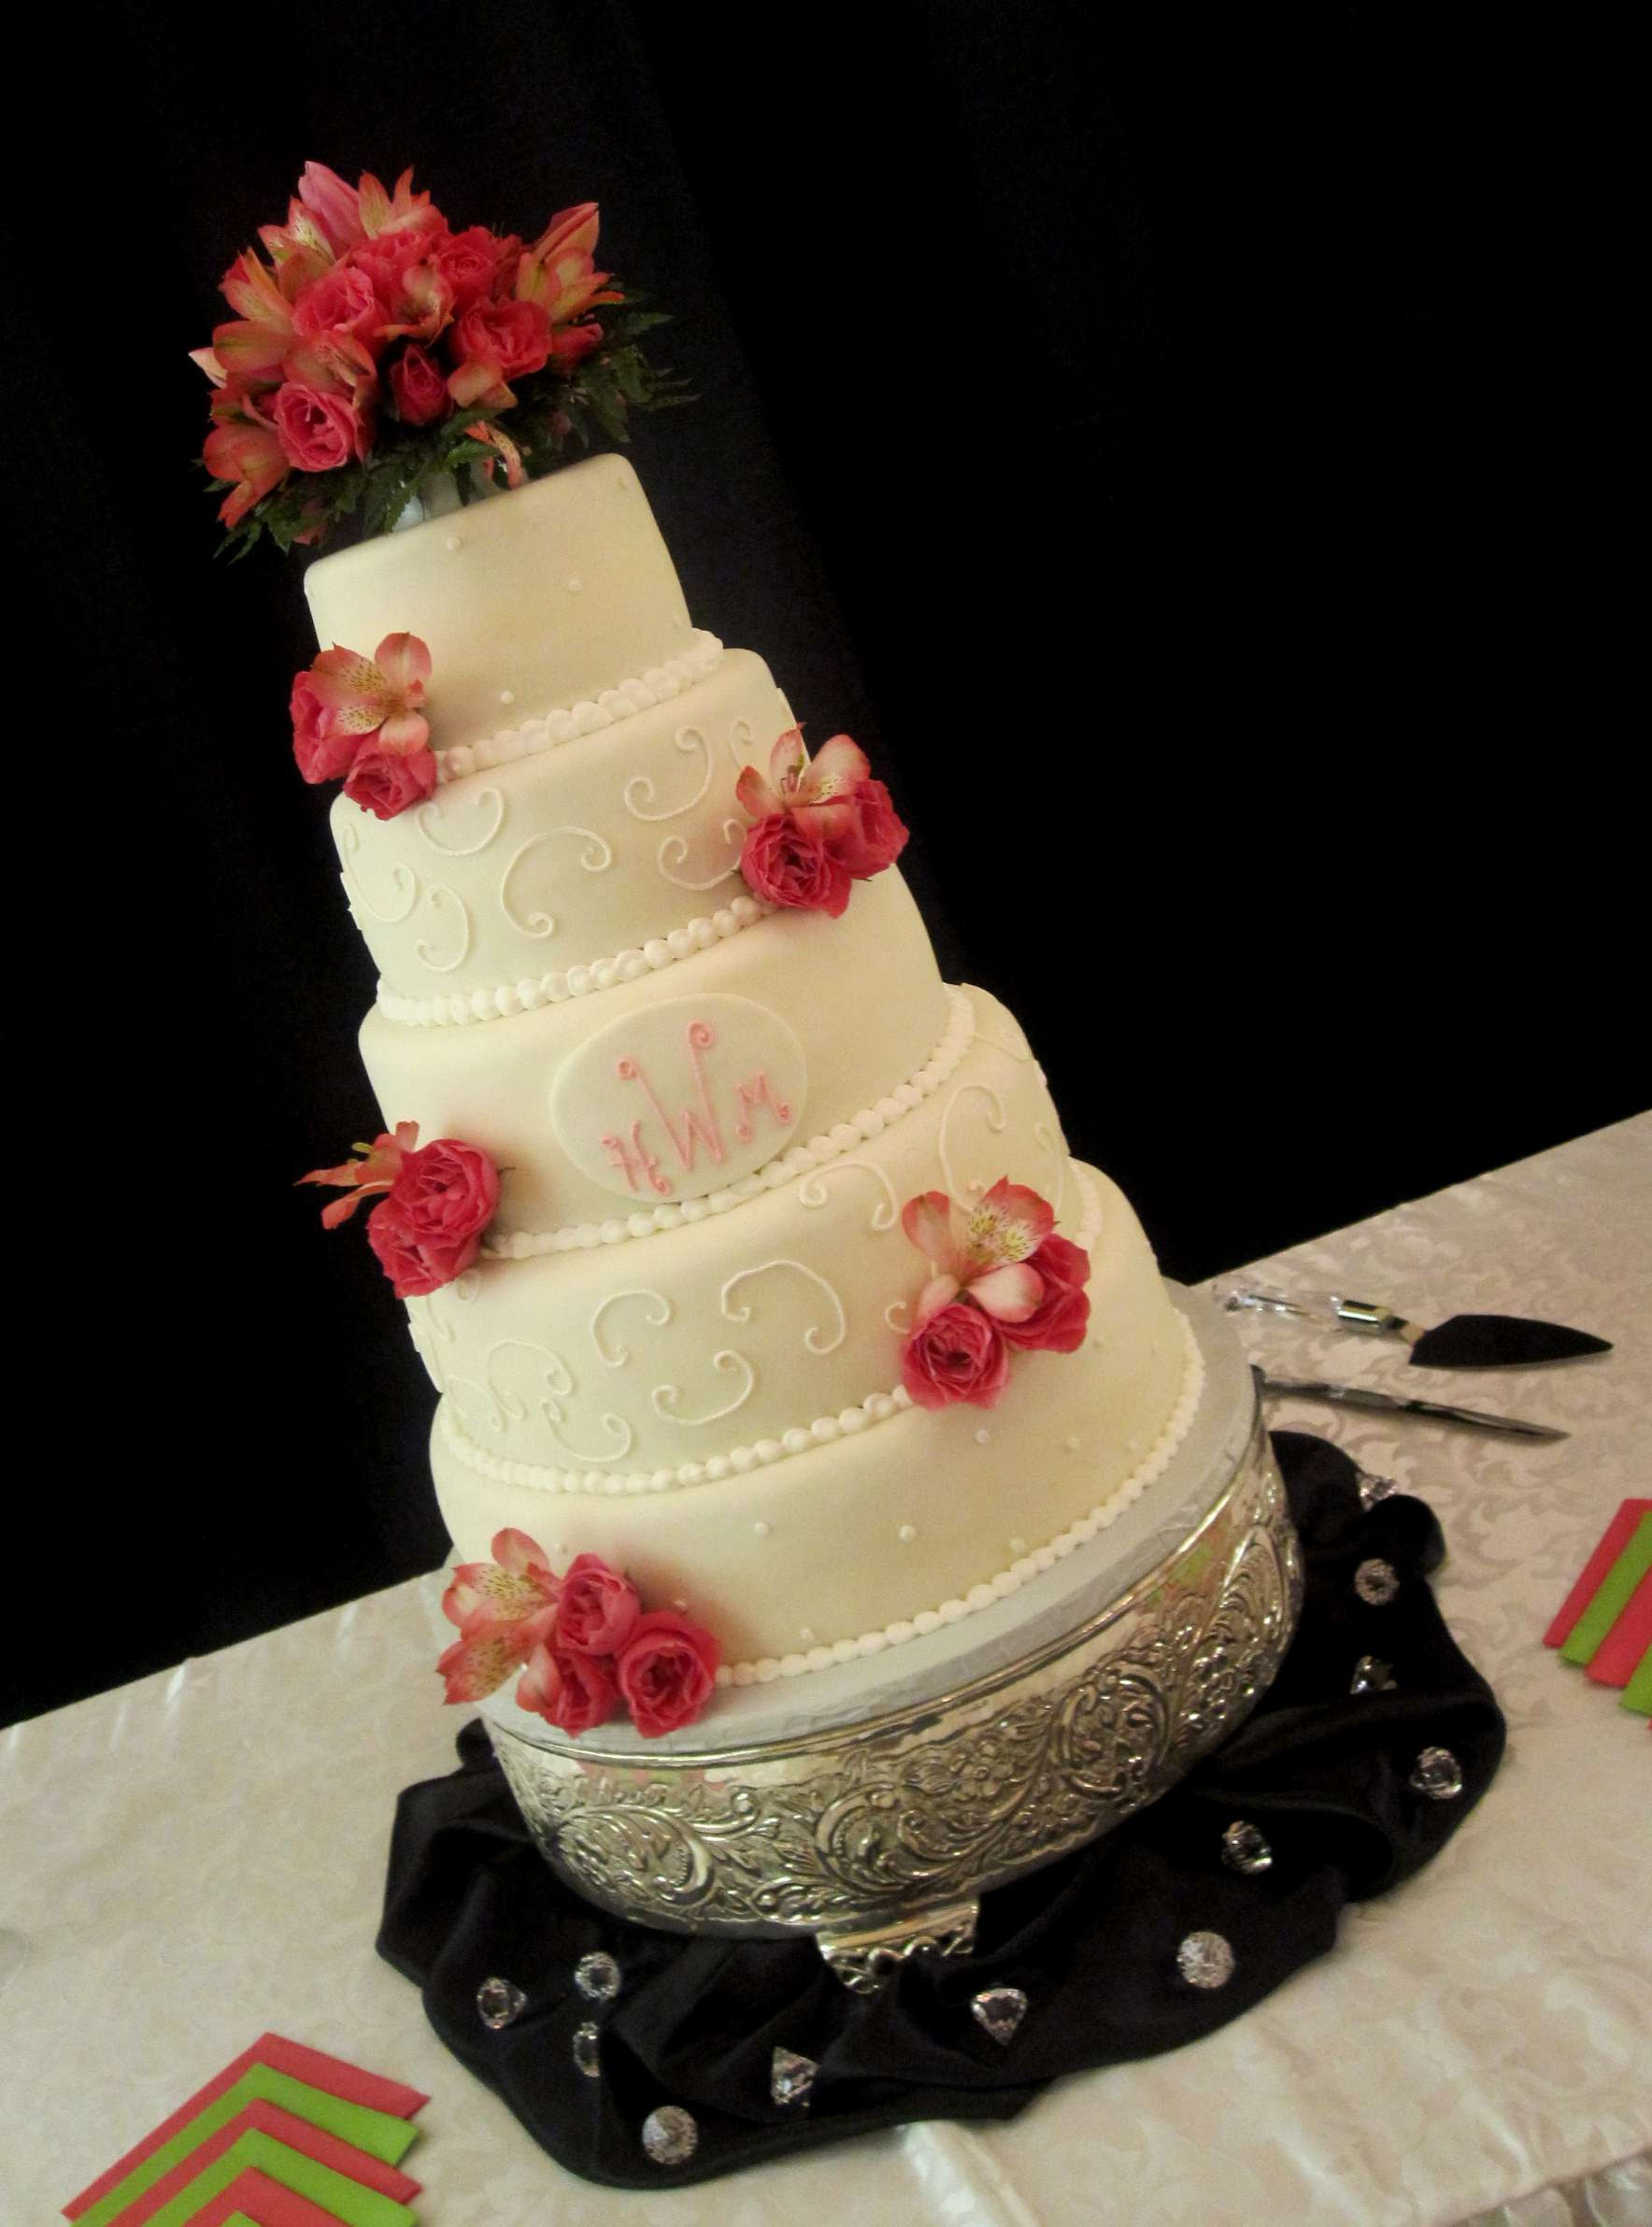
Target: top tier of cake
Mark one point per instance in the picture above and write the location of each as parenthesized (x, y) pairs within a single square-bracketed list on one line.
[(530, 605)]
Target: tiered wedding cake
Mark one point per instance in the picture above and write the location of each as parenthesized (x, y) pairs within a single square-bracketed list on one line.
[(681, 1346)]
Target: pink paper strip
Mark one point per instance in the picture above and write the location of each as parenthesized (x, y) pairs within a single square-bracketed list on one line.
[(1615, 1538), (283, 2056), (1618, 1655), (298, 2133), (265, 2201)]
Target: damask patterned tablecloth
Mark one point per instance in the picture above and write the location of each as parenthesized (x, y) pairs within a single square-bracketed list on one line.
[(194, 1858)]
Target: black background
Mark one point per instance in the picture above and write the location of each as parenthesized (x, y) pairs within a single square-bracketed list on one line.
[(1188, 448)]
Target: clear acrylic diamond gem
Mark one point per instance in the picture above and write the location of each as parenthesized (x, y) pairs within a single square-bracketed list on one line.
[(597, 1977), (670, 2136), (1437, 1774), (1204, 1960), (1372, 1675), (791, 2077), (1374, 1488), (1376, 1582), (498, 2003), (1244, 1847), (586, 2049), (999, 2011)]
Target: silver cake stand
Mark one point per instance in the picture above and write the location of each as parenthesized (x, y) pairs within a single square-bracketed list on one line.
[(871, 1804)]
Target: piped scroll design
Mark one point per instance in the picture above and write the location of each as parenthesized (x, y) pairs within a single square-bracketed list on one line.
[(996, 1120), (596, 858), (433, 817), (674, 852), (657, 1312), (402, 880), (811, 1192), (815, 1337), (502, 1406), (439, 899), (640, 792), (727, 1363), (860, 1828)]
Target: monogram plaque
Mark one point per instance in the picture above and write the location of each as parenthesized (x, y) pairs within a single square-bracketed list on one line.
[(682, 1099)]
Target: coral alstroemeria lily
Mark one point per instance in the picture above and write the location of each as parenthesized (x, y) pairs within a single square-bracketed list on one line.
[(377, 1169), (380, 694), (816, 790), (981, 1251), (504, 1610)]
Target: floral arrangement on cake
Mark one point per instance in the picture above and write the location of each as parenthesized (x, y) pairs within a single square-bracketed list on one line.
[(379, 352), (434, 1201), (1001, 1281), (583, 1642), (357, 719), (818, 824)]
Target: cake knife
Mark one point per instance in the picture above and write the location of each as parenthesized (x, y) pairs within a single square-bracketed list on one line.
[(1388, 1403), (1464, 1342)]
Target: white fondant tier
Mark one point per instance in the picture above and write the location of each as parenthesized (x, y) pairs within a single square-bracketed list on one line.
[(617, 1368), (510, 878), (530, 601), (878, 1528), (855, 1006)]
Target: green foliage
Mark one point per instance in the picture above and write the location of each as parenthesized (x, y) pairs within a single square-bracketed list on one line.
[(556, 417)]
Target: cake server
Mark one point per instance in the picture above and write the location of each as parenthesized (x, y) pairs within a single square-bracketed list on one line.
[(1388, 1403), (1464, 1342)]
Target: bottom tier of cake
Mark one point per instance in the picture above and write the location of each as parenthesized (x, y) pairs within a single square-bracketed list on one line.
[(870, 1804)]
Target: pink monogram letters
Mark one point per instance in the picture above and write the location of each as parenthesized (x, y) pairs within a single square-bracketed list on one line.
[(697, 1124)]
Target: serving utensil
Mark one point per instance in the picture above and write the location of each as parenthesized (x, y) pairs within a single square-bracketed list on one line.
[(1464, 1342), (1388, 1403)]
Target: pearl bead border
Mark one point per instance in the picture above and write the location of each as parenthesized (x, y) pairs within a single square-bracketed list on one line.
[(555, 988), (802, 1160), (655, 685)]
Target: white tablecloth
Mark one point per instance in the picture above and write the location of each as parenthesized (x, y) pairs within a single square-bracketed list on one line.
[(198, 1856)]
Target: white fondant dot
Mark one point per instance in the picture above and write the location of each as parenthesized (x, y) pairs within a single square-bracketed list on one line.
[(796, 1441), (843, 1650), (768, 1670), (680, 1602), (807, 1637), (454, 542), (507, 695), (574, 585), (792, 1667), (761, 1528), (768, 1449), (906, 1534), (979, 1596), (983, 1436), (1072, 1443), (820, 1658), (742, 1674), (925, 1621), (899, 1634)]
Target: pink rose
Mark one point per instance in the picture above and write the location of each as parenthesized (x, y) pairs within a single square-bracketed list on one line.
[(596, 1609), (385, 782), (317, 431), (782, 860), (957, 1354), (513, 337), (469, 261), (322, 752), (569, 1690), (443, 1198), (573, 344), (1059, 1322), (667, 1671), (420, 388), (875, 835), (343, 301)]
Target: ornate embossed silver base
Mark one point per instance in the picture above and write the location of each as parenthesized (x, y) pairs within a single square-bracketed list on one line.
[(879, 1832)]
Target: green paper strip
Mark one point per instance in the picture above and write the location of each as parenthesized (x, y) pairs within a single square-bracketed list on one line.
[(382, 2136), (1637, 1694), (239, 2218), (1613, 1597), (345, 2199)]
